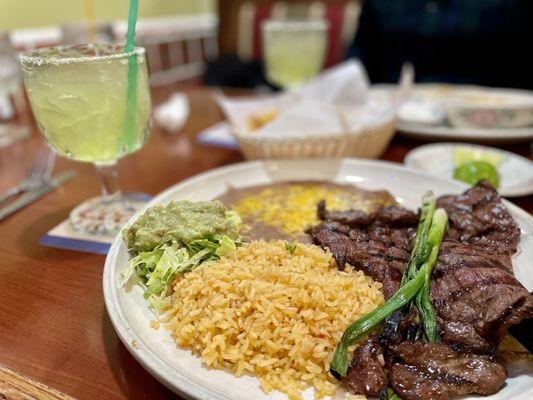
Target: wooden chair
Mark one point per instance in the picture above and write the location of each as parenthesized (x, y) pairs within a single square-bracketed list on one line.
[(177, 47), (78, 32)]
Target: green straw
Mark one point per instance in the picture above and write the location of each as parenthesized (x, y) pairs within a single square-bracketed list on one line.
[(129, 134)]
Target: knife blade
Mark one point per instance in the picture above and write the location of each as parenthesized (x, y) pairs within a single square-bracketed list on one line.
[(31, 196)]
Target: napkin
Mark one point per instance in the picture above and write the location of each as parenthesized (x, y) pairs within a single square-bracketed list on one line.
[(172, 115), (303, 117), (345, 85), (218, 135), (337, 101), (240, 111)]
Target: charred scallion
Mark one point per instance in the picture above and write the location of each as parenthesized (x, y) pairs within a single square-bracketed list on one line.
[(421, 248), (430, 232), (362, 326), (391, 395), (423, 302)]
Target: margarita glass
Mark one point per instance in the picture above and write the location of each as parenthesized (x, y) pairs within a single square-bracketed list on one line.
[(90, 108), (294, 51)]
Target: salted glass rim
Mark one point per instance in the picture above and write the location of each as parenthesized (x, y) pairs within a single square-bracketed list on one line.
[(40, 56), (294, 24)]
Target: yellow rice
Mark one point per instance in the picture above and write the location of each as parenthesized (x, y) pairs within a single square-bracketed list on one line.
[(267, 312)]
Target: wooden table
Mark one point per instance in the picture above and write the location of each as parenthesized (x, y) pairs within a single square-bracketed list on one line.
[(53, 323)]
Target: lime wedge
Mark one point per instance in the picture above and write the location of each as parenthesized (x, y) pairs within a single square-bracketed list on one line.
[(473, 171)]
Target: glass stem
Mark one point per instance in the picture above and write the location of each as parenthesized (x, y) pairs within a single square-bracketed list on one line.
[(109, 177)]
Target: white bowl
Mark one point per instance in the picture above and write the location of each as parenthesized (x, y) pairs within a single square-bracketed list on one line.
[(490, 108)]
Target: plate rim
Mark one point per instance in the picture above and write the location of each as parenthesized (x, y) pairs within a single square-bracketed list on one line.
[(447, 132), (174, 379)]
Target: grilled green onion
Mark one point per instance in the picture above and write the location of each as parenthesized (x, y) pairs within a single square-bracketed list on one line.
[(420, 249), (420, 246), (339, 364), (416, 282), (423, 302), (391, 395)]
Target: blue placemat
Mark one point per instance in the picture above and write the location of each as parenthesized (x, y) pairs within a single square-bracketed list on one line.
[(218, 135)]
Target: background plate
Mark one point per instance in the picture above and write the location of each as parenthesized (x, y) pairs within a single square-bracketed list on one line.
[(445, 132), (182, 372), (516, 172)]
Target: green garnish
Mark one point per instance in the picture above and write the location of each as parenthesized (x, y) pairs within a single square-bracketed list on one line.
[(291, 247), (423, 302), (362, 326), (415, 283), (157, 269), (473, 171), (391, 395), (171, 240), (421, 249)]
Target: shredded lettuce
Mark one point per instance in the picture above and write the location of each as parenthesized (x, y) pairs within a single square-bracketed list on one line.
[(226, 247), (142, 264), (163, 272), (158, 268), (159, 302)]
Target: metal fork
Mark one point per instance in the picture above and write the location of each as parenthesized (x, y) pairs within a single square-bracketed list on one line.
[(39, 172)]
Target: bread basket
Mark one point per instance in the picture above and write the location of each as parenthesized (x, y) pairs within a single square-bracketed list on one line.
[(369, 141), (338, 114)]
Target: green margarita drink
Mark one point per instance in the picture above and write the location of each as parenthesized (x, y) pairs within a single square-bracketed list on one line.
[(92, 104), (79, 98)]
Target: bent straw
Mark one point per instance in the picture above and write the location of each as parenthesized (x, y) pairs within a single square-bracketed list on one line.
[(129, 134)]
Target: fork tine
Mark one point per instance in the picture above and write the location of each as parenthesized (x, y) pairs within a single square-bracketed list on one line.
[(37, 169), (44, 168), (33, 168), (50, 163), (40, 170)]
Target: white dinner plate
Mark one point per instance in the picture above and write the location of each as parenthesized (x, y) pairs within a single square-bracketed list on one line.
[(516, 172), (182, 372)]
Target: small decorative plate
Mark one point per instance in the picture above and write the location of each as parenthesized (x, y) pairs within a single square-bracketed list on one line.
[(516, 172)]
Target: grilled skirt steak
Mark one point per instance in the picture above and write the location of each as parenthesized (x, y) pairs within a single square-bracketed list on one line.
[(367, 373), (391, 215), (473, 289), (380, 252), (433, 371), (379, 248), (476, 297), (479, 217)]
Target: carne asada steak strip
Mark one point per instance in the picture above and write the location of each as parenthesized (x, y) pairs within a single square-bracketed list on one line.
[(473, 290), (423, 370)]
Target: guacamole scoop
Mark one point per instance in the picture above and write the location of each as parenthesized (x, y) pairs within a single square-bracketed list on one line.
[(181, 221)]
